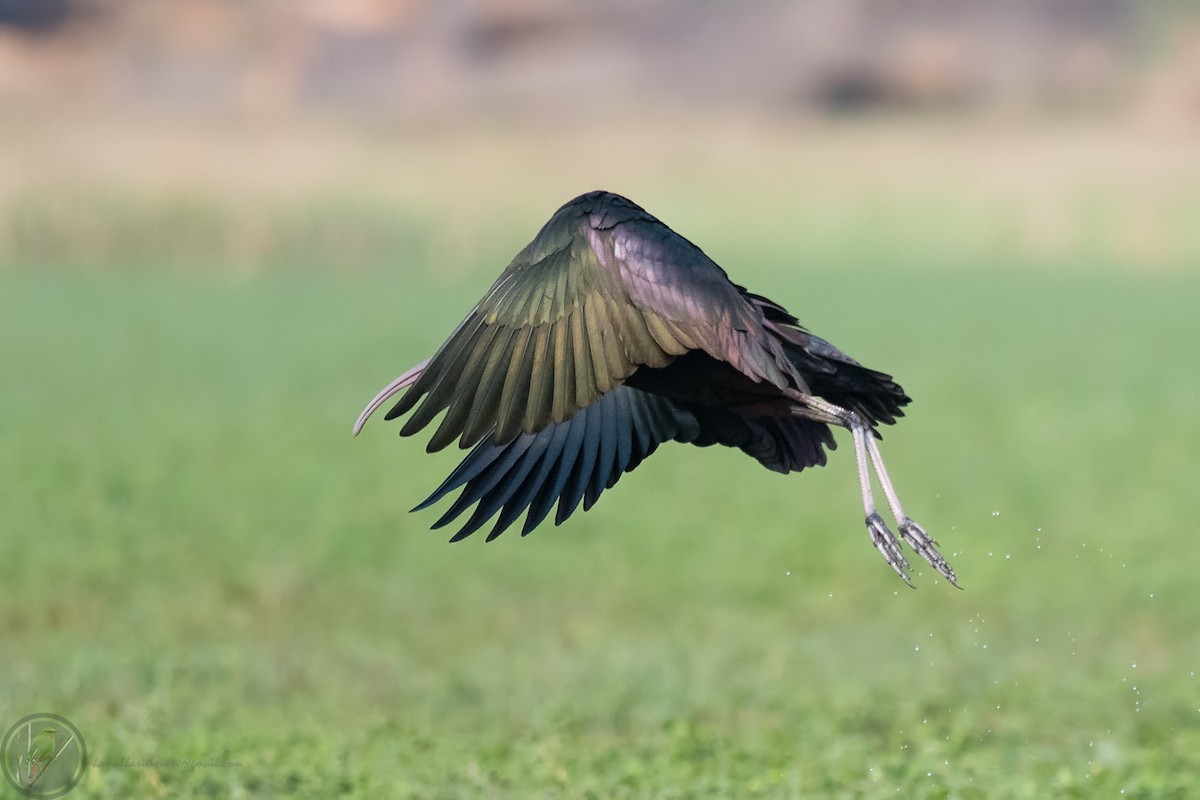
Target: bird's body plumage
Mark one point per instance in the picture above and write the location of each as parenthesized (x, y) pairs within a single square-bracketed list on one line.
[(41, 752), (608, 335)]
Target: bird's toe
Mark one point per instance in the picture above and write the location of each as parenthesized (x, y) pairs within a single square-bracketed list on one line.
[(888, 546), (921, 542)]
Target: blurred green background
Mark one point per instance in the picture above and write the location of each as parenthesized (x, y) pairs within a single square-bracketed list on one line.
[(224, 227)]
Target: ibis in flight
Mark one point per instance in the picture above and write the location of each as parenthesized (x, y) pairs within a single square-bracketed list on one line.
[(610, 334)]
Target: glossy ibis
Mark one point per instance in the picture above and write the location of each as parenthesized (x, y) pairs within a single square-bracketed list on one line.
[(610, 334)]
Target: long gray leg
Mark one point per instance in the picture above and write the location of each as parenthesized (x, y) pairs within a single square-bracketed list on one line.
[(883, 539), (913, 533), (866, 450)]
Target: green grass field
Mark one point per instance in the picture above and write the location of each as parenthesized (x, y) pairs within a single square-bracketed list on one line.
[(201, 563)]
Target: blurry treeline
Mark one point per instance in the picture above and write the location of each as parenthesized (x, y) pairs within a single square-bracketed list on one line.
[(341, 133), (422, 57)]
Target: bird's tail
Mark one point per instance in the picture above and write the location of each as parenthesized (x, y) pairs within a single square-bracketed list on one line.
[(831, 373)]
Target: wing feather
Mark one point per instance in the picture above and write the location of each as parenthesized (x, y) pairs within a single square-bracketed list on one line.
[(515, 396), (595, 323), (485, 404), (584, 464), (660, 329), (564, 373), (541, 381), (585, 389), (604, 459), (549, 493)]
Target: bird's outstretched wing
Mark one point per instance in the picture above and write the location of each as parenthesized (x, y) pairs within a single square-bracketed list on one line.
[(602, 289), (577, 459)]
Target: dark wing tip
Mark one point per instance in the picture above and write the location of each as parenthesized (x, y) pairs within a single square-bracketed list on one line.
[(565, 463)]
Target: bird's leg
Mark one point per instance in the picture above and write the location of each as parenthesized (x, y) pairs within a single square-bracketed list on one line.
[(403, 382), (884, 540), (913, 533), (881, 536), (866, 450)]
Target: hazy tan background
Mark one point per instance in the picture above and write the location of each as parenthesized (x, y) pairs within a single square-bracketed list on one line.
[(245, 135)]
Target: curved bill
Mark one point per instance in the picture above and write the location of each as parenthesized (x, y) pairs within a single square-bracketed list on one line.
[(403, 382)]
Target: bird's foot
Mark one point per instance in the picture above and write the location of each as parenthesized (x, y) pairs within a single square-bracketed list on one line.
[(888, 546), (921, 542)]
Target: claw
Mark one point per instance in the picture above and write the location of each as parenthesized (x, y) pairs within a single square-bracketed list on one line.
[(887, 545), (920, 541)]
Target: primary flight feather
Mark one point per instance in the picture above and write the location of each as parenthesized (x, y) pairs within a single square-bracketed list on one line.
[(610, 334)]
